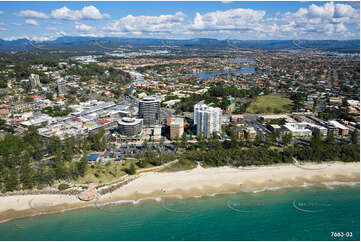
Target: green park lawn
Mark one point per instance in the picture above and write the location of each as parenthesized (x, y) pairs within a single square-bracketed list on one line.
[(270, 104), (105, 173)]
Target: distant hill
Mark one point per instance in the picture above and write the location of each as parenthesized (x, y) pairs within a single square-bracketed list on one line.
[(98, 44)]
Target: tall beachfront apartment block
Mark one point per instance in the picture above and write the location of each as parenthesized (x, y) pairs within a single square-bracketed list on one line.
[(149, 111), (208, 119), (199, 106), (176, 128)]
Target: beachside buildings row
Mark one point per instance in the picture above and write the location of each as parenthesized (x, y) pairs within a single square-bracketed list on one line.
[(299, 129), (208, 119)]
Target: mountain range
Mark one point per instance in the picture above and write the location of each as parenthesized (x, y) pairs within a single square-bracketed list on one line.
[(108, 43)]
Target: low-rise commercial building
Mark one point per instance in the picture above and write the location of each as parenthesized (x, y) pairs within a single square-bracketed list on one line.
[(342, 129), (314, 128), (297, 129)]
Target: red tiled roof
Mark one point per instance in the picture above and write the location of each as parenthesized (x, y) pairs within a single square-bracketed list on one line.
[(104, 121), (61, 98)]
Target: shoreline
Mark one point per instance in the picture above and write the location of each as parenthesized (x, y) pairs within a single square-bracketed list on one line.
[(197, 182)]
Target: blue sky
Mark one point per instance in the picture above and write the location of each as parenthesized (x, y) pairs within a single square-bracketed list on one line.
[(181, 20)]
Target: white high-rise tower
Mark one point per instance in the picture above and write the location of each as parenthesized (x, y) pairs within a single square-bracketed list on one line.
[(208, 119)]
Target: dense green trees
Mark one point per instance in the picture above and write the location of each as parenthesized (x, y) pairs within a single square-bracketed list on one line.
[(12, 180), (83, 165), (27, 174), (151, 158), (56, 111), (224, 91), (33, 161), (4, 127), (286, 139), (131, 170), (103, 74), (187, 104), (355, 137), (97, 140), (218, 97), (240, 154), (3, 83)]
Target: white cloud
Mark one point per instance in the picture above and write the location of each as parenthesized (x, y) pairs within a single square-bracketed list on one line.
[(31, 14), (340, 28), (11, 38), (317, 21), (56, 22), (1, 12), (88, 12), (52, 29), (233, 19), (325, 11), (326, 20), (32, 22), (49, 37), (83, 27), (136, 24), (66, 13), (91, 12), (3, 29), (344, 10)]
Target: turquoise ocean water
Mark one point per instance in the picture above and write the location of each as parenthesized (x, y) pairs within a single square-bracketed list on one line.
[(303, 213)]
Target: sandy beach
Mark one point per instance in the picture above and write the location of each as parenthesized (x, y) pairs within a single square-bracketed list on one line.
[(199, 181)]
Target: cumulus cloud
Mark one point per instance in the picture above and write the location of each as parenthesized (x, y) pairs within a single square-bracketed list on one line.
[(340, 28), (325, 11), (32, 22), (317, 21), (1, 12), (83, 27), (324, 21), (328, 20), (344, 10), (31, 14), (234, 19), (161, 23), (88, 12)]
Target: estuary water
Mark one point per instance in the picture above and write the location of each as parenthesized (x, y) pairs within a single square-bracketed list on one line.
[(206, 75), (300, 213)]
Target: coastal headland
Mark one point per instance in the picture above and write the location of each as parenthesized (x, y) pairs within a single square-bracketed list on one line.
[(196, 182)]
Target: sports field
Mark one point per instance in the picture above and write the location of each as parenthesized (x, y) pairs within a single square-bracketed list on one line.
[(270, 104)]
